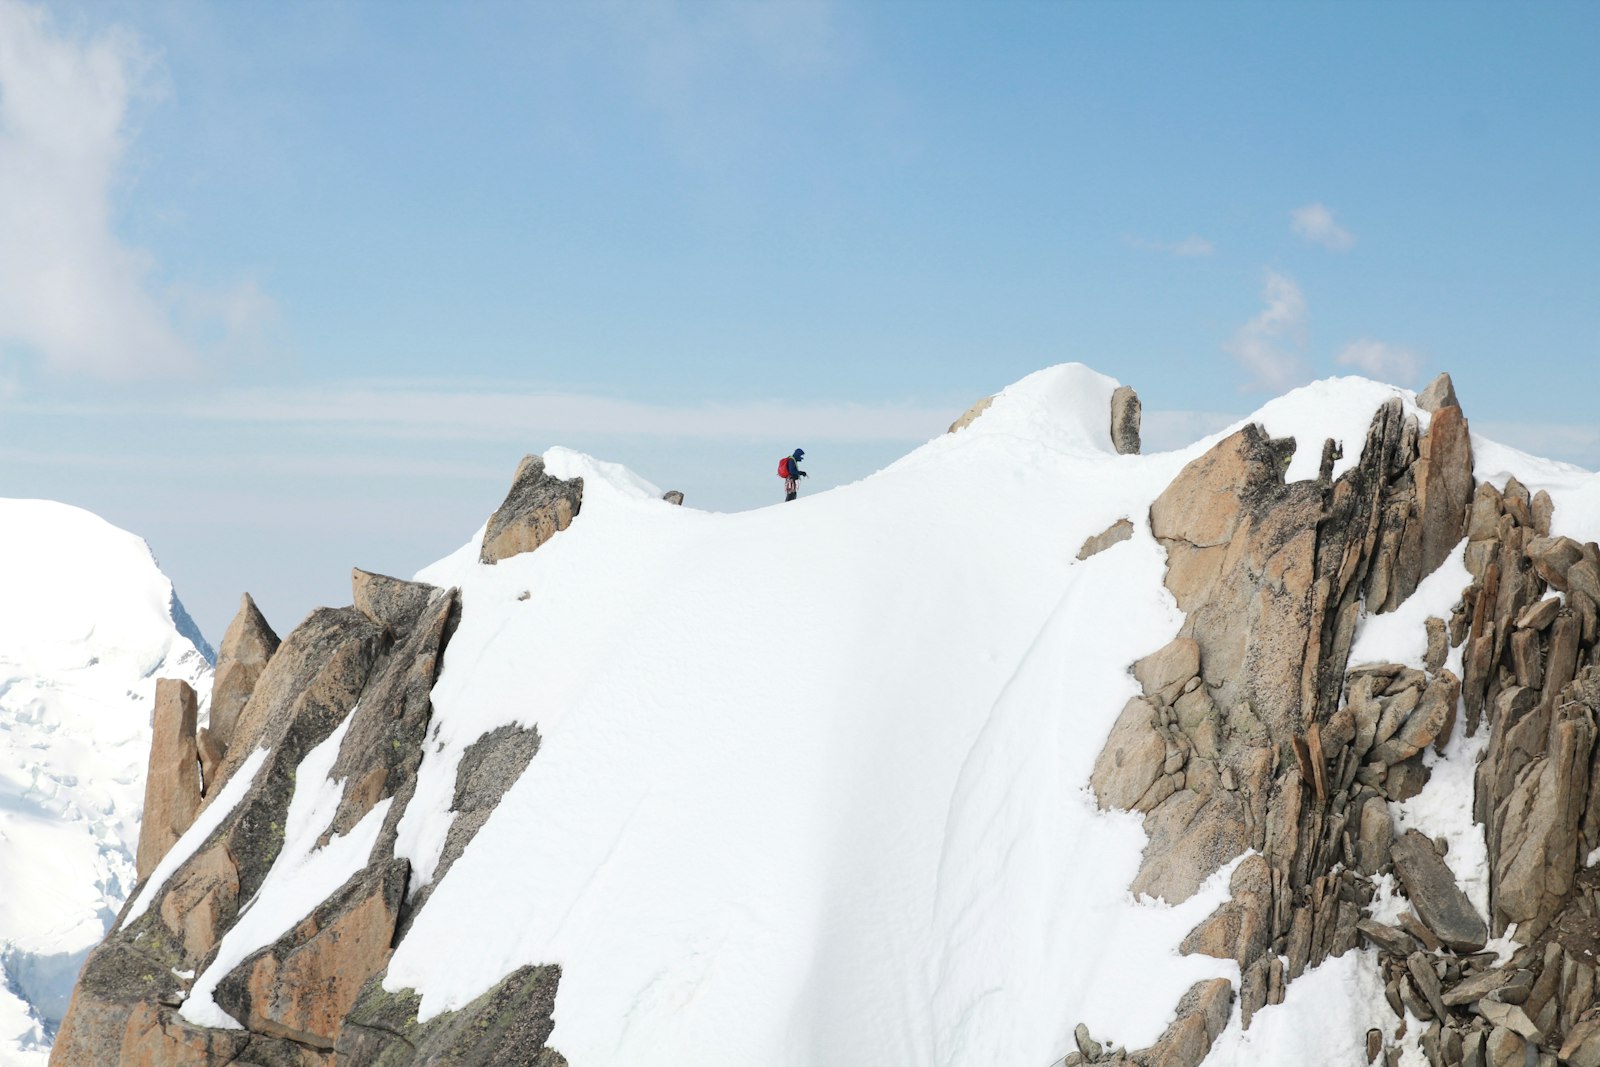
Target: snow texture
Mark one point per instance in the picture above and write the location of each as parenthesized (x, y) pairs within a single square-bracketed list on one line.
[(87, 624)]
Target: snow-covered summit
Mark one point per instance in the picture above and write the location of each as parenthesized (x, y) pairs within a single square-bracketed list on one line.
[(87, 623)]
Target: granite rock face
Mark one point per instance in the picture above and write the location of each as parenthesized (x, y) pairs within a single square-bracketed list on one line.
[(246, 647), (538, 507), (1272, 579), (368, 669), (172, 785)]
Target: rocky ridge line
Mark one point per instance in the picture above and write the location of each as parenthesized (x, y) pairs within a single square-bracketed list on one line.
[(1251, 734)]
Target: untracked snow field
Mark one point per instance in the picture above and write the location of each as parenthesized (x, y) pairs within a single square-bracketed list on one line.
[(813, 782)]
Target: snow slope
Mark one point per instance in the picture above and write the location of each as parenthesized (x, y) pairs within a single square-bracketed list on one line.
[(87, 623), (813, 783)]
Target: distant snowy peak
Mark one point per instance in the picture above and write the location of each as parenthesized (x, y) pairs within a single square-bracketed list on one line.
[(87, 624)]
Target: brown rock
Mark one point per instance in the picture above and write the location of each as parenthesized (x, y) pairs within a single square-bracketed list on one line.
[(157, 1037), (1433, 718), (1374, 836), (172, 785), (1539, 830), (1436, 896), (246, 647), (201, 901), (1544, 510), (302, 987), (1516, 502), (393, 603), (1438, 644), (1483, 521), (1552, 557), (1391, 939), (971, 413), (1132, 759), (1444, 485), (1539, 616), (1114, 534), (1439, 393), (211, 754), (1125, 421), (1202, 1014), (1163, 673), (1511, 1017), (1582, 1046), (1505, 1048), (537, 507)]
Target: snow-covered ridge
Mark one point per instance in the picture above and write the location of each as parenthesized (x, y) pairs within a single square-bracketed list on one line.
[(87, 623), (812, 781)]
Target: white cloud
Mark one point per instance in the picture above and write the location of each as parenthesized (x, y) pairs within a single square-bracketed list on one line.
[(72, 294), (1314, 223), (456, 412), (1378, 359), (1271, 347), (1190, 247)]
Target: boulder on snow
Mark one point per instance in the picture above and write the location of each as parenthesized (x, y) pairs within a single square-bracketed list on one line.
[(538, 506), (172, 784), (1433, 891), (1125, 410), (672, 496), (1114, 534)]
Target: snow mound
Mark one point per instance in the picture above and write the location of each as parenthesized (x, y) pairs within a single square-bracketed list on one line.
[(87, 623)]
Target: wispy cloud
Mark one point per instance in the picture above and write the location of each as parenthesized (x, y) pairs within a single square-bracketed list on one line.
[(1190, 247), (73, 295), (1315, 224), (420, 411), (1379, 359), (1271, 346)]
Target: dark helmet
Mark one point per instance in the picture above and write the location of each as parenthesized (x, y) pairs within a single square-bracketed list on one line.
[(799, 453)]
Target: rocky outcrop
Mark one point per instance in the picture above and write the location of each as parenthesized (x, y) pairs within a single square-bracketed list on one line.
[(672, 496), (507, 1025), (246, 647), (312, 997), (970, 414), (538, 507), (172, 784), (302, 986), (1114, 534), (1258, 703), (1125, 421)]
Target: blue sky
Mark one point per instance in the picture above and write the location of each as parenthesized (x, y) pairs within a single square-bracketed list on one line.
[(288, 288)]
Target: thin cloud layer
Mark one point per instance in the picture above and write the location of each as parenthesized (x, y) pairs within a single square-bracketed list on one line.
[(1270, 348), (1314, 223), (73, 296), (1191, 247), (1377, 359)]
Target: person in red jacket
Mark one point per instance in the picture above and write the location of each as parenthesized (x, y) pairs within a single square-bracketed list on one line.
[(789, 470)]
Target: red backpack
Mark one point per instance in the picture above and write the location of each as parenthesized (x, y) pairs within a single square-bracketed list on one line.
[(785, 466)]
